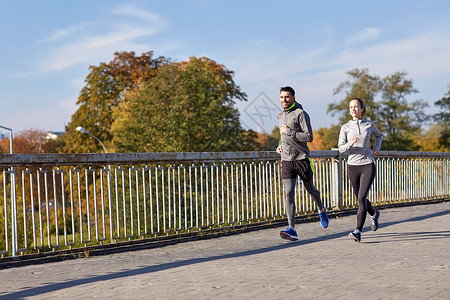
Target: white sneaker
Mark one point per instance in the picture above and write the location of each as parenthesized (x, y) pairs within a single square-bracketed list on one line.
[(374, 220)]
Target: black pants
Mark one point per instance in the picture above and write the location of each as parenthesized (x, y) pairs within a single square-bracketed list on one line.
[(362, 178)]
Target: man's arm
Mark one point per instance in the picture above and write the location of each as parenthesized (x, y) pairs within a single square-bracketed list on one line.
[(306, 135)]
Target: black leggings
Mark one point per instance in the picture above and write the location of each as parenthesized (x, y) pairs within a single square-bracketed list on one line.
[(362, 178)]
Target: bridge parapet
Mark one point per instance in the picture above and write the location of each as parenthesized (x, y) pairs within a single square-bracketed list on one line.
[(64, 201)]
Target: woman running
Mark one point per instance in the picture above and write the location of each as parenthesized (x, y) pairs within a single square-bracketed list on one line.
[(354, 138)]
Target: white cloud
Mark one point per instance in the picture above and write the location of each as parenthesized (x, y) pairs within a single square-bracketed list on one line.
[(314, 74), (91, 49), (270, 61), (91, 43), (136, 12), (420, 56), (363, 35), (61, 33)]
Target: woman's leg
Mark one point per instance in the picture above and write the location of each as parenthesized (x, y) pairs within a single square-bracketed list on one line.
[(366, 178), (354, 174)]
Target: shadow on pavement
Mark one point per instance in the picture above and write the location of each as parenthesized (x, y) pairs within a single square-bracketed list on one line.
[(164, 266)]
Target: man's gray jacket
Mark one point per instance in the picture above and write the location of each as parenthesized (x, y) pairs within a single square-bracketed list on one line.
[(294, 142)]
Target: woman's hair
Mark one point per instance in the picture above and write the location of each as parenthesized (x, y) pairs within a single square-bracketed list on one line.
[(361, 104)]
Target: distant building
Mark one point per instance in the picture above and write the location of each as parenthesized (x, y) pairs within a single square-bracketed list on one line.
[(51, 135)]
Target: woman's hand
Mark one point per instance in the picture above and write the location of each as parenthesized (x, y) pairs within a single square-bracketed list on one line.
[(376, 152), (353, 141)]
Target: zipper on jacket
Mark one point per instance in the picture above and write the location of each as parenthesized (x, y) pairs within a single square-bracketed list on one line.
[(359, 129)]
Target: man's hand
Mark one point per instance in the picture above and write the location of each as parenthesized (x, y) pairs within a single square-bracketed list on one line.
[(283, 129), (279, 149), (376, 152)]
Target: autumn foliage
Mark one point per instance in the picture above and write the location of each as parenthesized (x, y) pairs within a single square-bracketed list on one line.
[(30, 141)]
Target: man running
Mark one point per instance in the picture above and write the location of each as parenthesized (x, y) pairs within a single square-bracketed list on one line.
[(296, 132)]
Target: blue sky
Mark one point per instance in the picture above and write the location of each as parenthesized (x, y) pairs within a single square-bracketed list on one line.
[(48, 46)]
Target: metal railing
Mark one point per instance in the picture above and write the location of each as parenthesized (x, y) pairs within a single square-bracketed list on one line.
[(60, 201)]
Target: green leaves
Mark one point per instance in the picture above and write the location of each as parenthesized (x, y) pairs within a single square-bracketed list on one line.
[(386, 104), (106, 86), (187, 106), (443, 119)]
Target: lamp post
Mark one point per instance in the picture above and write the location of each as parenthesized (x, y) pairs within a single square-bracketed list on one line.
[(10, 138), (81, 129), (13, 197)]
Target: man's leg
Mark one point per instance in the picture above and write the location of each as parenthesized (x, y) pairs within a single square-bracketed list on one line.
[(289, 199), (309, 186)]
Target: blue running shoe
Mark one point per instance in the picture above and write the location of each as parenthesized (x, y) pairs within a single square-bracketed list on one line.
[(289, 234), (324, 219)]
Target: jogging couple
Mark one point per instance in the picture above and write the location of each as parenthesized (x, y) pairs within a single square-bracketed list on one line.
[(296, 132)]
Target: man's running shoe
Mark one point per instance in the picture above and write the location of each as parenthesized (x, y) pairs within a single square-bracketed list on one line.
[(324, 218), (289, 234), (355, 235), (374, 220)]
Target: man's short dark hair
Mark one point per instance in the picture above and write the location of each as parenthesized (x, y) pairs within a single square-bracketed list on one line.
[(287, 89)]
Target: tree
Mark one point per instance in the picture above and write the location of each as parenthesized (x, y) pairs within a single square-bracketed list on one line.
[(264, 142), (276, 135), (398, 119), (187, 106), (329, 136), (30, 141), (362, 85), (443, 119), (105, 88), (317, 143), (429, 141), (251, 141), (268, 142)]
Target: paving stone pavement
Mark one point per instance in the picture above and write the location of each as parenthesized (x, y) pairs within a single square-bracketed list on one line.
[(407, 258)]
